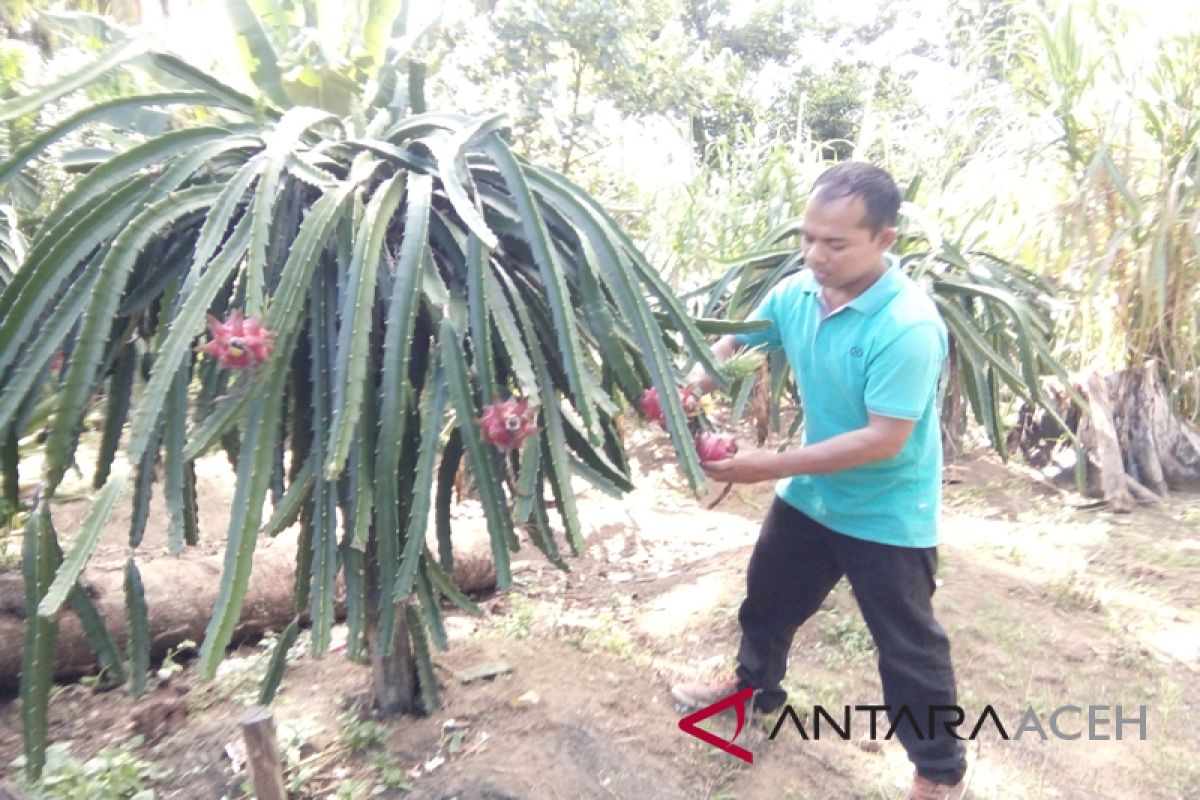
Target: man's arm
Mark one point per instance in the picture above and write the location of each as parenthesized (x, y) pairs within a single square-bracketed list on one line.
[(881, 439)]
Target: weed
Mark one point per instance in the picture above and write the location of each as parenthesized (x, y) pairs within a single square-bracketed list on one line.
[(353, 790), (362, 734), (170, 664), (518, 622), (386, 774), (847, 638), (389, 774), (968, 698), (803, 696), (299, 766), (1074, 593), (1132, 655), (113, 772), (237, 679), (610, 637), (12, 524), (1170, 694), (1003, 629), (1010, 553)]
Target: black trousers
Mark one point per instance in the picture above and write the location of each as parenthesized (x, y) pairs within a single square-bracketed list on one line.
[(796, 563)]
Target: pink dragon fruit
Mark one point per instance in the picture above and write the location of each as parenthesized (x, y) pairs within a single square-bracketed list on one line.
[(651, 405), (712, 447), (238, 343), (506, 424)]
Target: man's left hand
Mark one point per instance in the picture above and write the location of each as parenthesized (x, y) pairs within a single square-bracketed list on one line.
[(748, 466)]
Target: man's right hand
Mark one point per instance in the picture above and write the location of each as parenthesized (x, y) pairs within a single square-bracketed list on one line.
[(699, 382)]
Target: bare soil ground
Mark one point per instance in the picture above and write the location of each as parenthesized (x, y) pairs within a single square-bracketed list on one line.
[(1048, 601)]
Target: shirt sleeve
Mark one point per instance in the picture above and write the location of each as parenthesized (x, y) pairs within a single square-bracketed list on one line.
[(768, 338), (903, 378)]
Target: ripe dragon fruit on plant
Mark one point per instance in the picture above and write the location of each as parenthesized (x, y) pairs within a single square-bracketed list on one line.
[(711, 447), (651, 406), (506, 424), (238, 343)]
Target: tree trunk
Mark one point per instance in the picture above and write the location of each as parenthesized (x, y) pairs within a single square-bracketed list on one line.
[(394, 675)]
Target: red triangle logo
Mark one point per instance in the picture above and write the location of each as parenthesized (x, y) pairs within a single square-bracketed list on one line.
[(738, 701)]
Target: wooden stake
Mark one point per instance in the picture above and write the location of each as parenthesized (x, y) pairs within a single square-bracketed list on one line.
[(262, 754)]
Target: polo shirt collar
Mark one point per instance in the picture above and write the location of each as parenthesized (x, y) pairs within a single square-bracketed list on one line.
[(875, 297)]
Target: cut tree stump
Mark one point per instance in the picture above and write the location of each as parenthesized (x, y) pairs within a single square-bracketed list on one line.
[(1162, 450), (1138, 449), (1098, 432)]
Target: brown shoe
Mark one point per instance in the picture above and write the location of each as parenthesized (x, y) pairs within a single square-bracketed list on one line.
[(925, 789), (699, 695)]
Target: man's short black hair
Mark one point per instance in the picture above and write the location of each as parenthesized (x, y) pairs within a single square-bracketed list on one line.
[(866, 181)]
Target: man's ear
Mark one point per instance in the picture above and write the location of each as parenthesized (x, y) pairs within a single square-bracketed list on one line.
[(887, 237)]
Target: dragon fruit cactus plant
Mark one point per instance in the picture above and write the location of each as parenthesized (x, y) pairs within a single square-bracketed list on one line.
[(370, 290)]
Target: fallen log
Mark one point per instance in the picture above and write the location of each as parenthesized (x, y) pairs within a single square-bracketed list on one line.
[(180, 594)]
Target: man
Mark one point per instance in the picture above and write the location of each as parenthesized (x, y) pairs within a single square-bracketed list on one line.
[(861, 497)]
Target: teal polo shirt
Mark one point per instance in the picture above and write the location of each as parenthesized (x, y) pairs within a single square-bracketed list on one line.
[(881, 353)]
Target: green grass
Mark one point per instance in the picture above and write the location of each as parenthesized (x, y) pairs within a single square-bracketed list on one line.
[(362, 734), (610, 636), (113, 772), (845, 638), (518, 622)]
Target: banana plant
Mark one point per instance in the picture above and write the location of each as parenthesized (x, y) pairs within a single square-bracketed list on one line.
[(352, 307), (999, 316)]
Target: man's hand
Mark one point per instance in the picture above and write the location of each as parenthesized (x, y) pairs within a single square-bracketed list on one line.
[(698, 380), (750, 465)]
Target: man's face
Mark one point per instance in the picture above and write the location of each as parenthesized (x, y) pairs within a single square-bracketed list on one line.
[(838, 246)]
